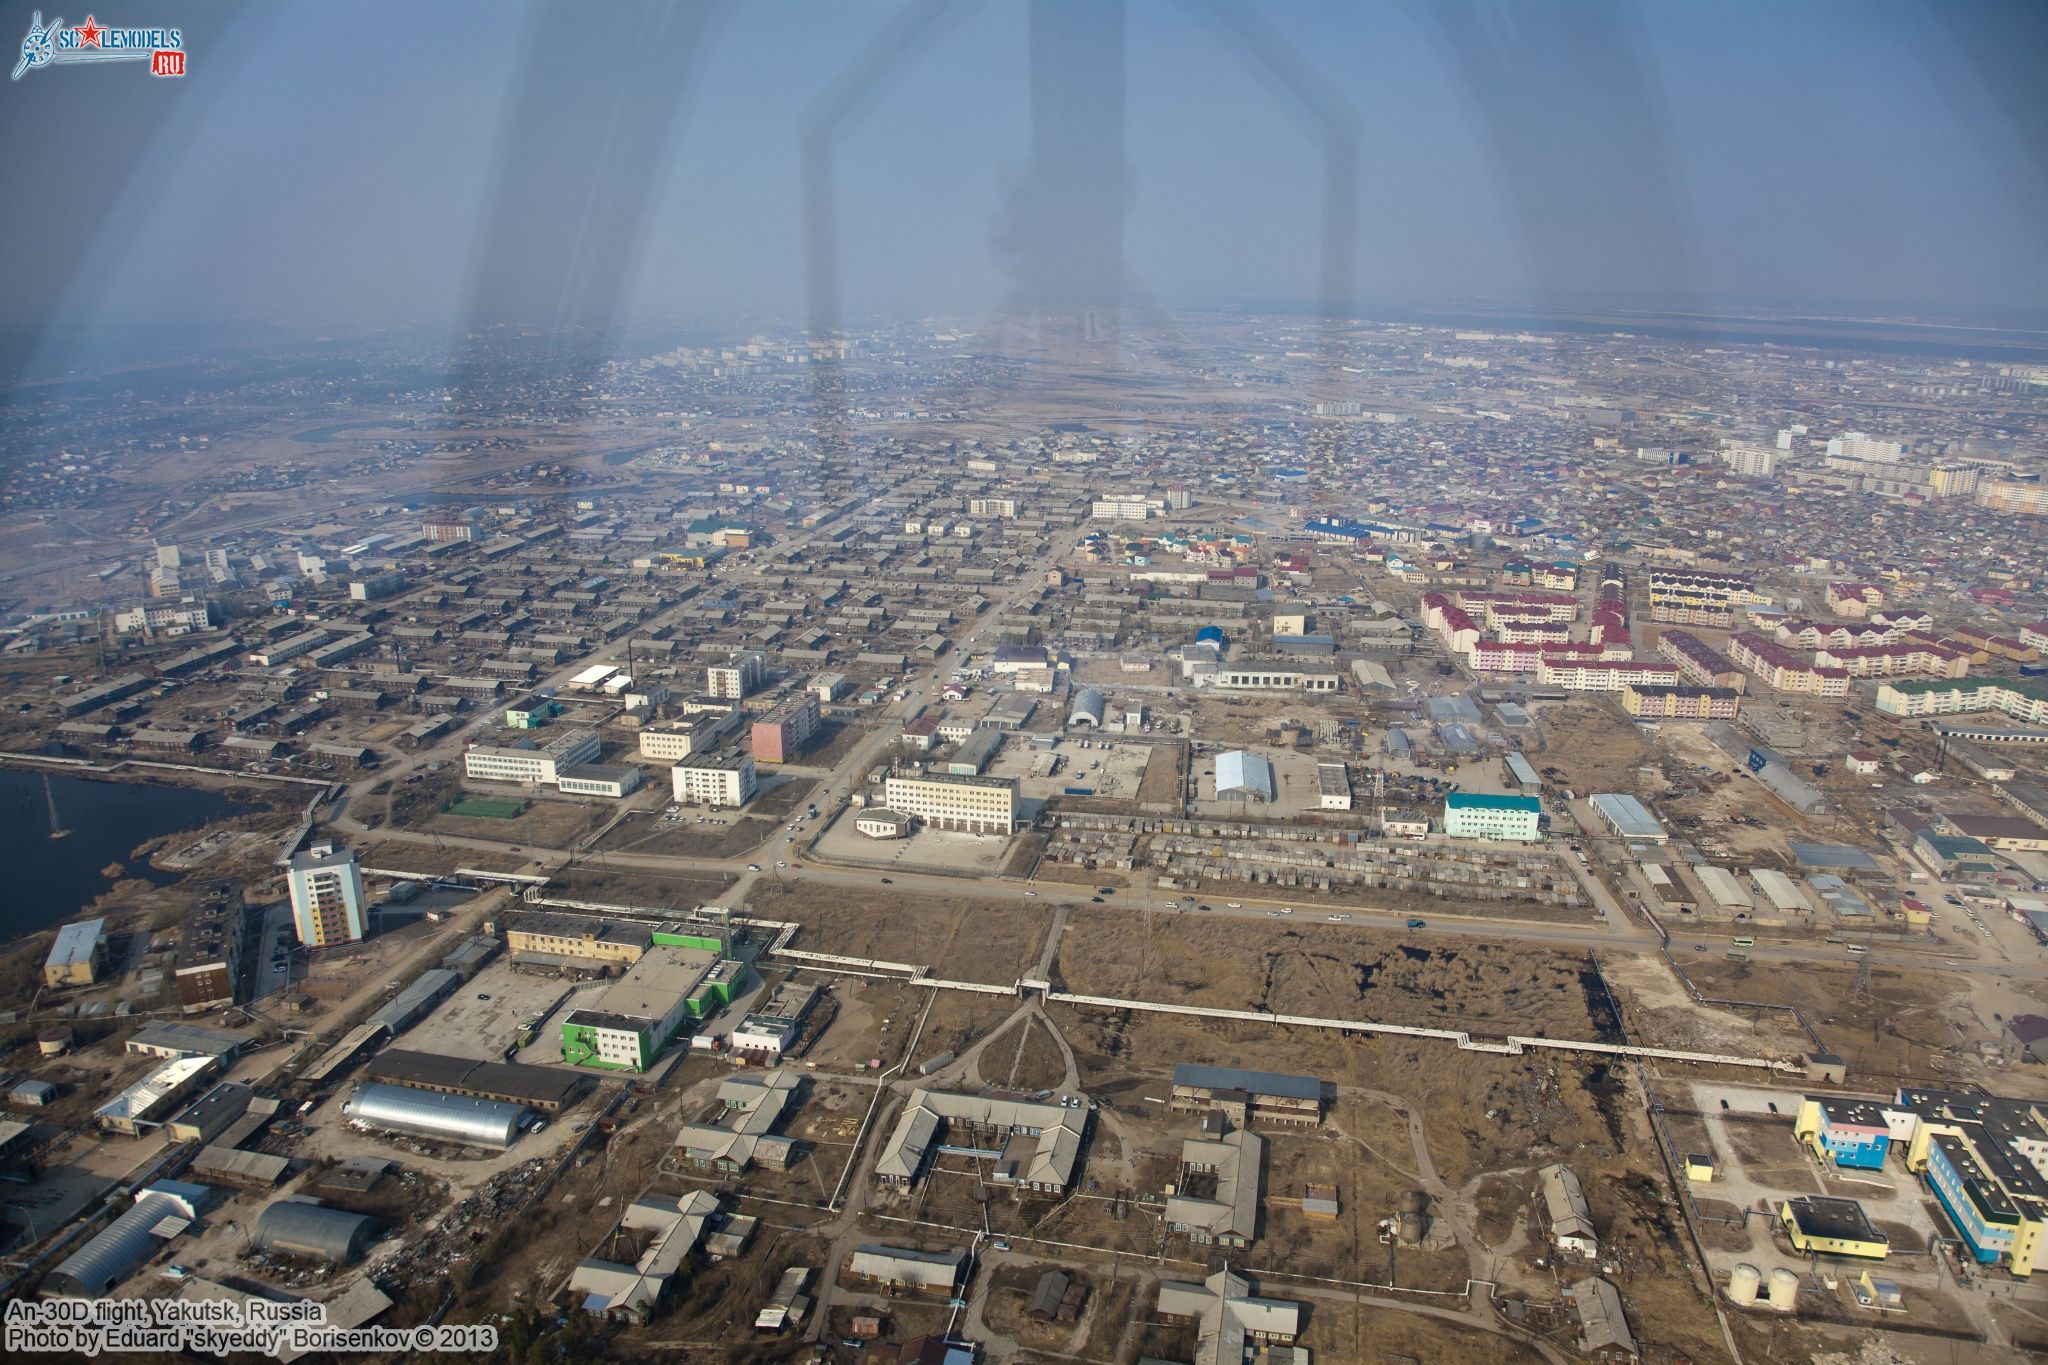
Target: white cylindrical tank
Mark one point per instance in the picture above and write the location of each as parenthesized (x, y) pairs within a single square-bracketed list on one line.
[(1784, 1289), (1743, 1284)]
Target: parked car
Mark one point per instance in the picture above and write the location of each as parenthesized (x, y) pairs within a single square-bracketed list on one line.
[(1417, 924)]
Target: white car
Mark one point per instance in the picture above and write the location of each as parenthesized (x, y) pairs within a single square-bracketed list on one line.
[(1031, 893), (1233, 905), (782, 864), (753, 867)]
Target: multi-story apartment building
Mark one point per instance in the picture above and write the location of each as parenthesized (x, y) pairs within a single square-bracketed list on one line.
[(1120, 507), (1679, 702), (1991, 642), (1594, 675), (209, 955), (1894, 661), (2022, 700), (1700, 597), (714, 779), (438, 529), (1698, 662), (1854, 600), (2011, 495), (532, 764), (991, 507), (1778, 667), (328, 904), (976, 805), (736, 679), (782, 734), (1814, 634), (1749, 459)]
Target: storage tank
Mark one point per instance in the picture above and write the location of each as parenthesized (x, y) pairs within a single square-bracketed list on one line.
[(1411, 1229), (1414, 1201), (1784, 1289), (1743, 1284)]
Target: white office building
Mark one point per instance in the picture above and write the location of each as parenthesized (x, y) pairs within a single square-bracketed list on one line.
[(532, 764), (975, 805)]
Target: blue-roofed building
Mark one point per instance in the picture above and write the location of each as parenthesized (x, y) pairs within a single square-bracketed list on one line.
[(1210, 635), (1482, 815)]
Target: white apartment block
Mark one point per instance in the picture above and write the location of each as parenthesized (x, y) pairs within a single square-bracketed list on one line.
[(539, 764), (976, 805), (172, 618), (1117, 507), (720, 780), (991, 507), (1750, 460)]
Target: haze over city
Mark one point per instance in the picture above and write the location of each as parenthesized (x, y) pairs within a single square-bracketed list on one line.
[(979, 684)]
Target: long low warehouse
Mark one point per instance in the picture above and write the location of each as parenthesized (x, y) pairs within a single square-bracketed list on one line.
[(544, 1088), (448, 1118)]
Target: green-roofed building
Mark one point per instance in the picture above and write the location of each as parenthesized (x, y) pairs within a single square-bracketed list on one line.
[(1481, 815)]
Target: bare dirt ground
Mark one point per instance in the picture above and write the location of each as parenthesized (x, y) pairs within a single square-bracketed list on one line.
[(1595, 745), (1909, 1024), (1323, 969), (954, 936), (634, 886), (1387, 1336)]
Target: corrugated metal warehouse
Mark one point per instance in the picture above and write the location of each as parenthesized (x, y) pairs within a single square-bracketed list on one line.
[(297, 1227), (424, 1113)]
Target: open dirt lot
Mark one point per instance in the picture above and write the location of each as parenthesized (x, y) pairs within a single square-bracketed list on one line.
[(1594, 745), (612, 884), (955, 937), (1330, 970), (1387, 1336), (1909, 1024)]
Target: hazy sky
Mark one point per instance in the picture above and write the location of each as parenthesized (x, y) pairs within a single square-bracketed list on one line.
[(370, 163)]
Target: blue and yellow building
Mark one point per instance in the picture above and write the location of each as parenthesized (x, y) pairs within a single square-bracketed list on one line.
[(1851, 1133), (1986, 1161)]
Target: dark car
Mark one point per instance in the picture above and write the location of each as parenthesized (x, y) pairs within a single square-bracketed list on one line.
[(1107, 890), (1096, 899), (888, 881)]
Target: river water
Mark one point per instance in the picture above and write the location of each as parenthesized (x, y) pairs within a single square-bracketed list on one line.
[(49, 880)]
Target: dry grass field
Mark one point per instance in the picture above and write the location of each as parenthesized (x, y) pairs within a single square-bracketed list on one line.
[(954, 936), (1322, 969)]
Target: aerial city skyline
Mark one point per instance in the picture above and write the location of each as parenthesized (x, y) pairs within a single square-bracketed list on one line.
[(1040, 681)]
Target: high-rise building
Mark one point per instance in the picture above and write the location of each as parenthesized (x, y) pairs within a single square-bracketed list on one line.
[(2008, 495), (1854, 445), (328, 906), (1750, 460)]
